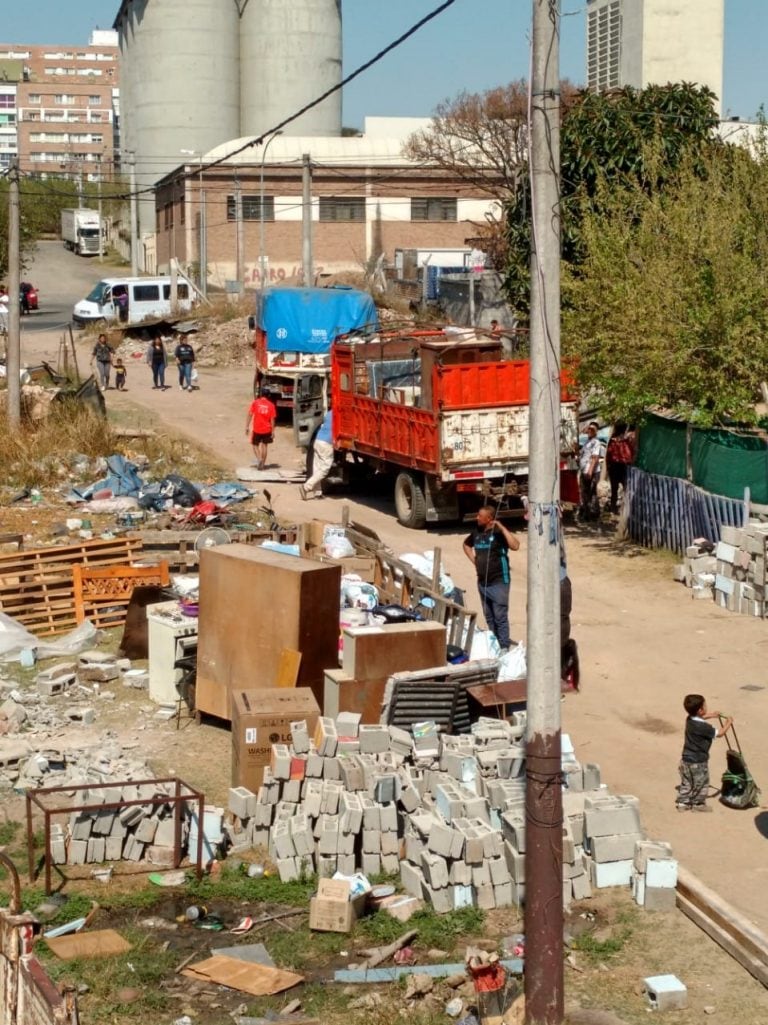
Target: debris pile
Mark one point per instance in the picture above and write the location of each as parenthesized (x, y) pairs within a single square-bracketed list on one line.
[(447, 812)]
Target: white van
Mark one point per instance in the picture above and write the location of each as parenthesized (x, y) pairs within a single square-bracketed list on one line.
[(131, 300)]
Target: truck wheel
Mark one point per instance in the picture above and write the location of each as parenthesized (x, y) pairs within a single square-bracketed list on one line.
[(410, 503)]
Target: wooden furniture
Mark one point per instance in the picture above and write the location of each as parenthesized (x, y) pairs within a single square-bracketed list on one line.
[(103, 595), (254, 603)]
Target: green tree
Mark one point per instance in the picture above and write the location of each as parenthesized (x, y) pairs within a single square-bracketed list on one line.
[(668, 304), (619, 139)]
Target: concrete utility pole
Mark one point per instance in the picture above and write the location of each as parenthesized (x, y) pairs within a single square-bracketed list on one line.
[(13, 355), (544, 806), (134, 217), (307, 271), (240, 242), (262, 219)]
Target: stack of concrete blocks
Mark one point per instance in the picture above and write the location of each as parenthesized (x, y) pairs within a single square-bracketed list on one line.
[(140, 831), (698, 570), (654, 876), (734, 574), (446, 812)]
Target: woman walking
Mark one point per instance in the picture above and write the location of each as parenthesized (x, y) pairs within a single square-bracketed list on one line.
[(619, 454), (157, 358)]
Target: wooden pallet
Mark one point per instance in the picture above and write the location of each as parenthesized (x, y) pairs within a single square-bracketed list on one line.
[(104, 594), (37, 588)]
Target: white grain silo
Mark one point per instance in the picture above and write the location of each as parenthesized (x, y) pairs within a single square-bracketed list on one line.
[(180, 67), (290, 53)]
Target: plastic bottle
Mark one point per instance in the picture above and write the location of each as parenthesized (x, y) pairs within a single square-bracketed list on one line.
[(195, 912)]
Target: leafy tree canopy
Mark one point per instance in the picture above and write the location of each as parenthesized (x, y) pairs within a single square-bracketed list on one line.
[(607, 139)]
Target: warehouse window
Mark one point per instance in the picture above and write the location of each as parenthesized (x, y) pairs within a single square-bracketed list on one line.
[(252, 208), (433, 208), (342, 208)]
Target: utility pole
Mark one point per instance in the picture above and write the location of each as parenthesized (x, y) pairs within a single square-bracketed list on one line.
[(544, 807), (240, 242), (13, 356), (101, 223), (307, 271), (134, 216), (173, 263), (203, 240)]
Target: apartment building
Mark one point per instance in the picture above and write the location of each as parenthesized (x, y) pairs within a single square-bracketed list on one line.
[(59, 108), (652, 42)]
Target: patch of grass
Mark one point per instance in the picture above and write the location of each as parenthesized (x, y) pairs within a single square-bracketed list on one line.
[(8, 832), (233, 885), (602, 949), (439, 931)]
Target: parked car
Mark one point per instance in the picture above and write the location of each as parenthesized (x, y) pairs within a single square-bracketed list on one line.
[(28, 297)]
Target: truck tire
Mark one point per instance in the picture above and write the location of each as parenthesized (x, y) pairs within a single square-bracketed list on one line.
[(410, 503)]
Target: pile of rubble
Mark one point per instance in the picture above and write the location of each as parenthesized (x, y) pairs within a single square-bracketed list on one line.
[(733, 572), (447, 812), (33, 748)]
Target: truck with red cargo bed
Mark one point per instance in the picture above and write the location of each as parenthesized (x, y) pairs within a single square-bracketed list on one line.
[(447, 414)]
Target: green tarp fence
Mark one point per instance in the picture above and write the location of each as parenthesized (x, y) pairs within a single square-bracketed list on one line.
[(721, 462)]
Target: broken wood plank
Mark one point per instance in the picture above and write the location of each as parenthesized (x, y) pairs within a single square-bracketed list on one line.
[(375, 955)]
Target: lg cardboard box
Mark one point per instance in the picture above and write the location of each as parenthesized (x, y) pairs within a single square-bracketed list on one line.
[(261, 718), (332, 910)]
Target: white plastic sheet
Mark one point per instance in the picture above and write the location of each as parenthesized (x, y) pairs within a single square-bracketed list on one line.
[(513, 665), (15, 638)]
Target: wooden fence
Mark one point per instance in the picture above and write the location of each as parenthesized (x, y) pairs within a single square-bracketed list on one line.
[(666, 512)]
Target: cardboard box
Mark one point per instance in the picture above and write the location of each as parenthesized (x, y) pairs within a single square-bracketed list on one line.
[(363, 566), (331, 910), (261, 718)]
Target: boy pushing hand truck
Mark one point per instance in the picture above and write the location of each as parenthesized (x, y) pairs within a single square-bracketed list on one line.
[(693, 789)]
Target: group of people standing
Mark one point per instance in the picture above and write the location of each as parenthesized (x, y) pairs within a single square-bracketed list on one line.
[(104, 360), (618, 454)]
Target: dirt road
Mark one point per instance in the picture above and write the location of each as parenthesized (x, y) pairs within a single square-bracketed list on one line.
[(644, 644)]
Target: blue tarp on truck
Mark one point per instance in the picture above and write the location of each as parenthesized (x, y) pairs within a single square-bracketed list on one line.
[(308, 319)]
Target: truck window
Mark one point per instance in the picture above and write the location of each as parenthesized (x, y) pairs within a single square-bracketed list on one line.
[(146, 293), (182, 290)]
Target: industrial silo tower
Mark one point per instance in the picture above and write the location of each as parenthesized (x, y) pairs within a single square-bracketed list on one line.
[(198, 73), (290, 53)]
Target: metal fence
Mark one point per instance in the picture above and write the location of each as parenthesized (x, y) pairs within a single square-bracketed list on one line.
[(666, 512)]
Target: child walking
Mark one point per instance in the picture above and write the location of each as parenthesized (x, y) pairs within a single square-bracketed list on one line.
[(694, 764), (120, 375)]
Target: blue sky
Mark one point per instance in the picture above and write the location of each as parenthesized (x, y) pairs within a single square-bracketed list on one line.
[(474, 45)]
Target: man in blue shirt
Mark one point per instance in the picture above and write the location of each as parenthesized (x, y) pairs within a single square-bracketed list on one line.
[(488, 547), (322, 457)]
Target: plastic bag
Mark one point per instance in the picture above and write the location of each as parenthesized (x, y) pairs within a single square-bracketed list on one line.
[(336, 544), (513, 665), (425, 564), (484, 645), (356, 594)]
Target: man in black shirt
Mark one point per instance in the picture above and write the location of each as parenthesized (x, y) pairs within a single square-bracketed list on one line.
[(694, 765), (488, 547)]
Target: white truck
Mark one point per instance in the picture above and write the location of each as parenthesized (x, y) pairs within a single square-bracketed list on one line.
[(81, 231)]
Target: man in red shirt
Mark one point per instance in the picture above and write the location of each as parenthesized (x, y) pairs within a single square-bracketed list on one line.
[(259, 424)]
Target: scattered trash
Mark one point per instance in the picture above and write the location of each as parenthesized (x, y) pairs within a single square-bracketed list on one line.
[(100, 943), (102, 875), (64, 930), (176, 878), (245, 925), (256, 871), (418, 986), (407, 955), (195, 912), (258, 980), (454, 1007)]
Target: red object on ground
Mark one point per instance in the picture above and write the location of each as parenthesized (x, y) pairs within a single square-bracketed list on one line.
[(488, 977)]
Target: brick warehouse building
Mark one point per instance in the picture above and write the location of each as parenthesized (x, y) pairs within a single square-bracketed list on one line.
[(367, 199)]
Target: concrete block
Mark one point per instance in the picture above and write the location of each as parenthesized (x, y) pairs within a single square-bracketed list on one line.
[(414, 845), (618, 818), (463, 896), (313, 797), (52, 687), (326, 738), (371, 817), (347, 724), (581, 887), (390, 843), (412, 878), (460, 874), (281, 842), (659, 898), (314, 766), (374, 739), (146, 829), (164, 834), (611, 873), (661, 874), (58, 850), (371, 864), (731, 535), (237, 801), (481, 874), (650, 850), (485, 897), (515, 862), (113, 848), (503, 895), (291, 791), (352, 773), (327, 865), (386, 788), (331, 769), (665, 992), (591, 776), (77, 852), (351, 812), (328, 840), (388, 818), (371, 841), (400, 740), (725, 552), (441, 839), (500, 873), (287, 869), (160, 856), (440, 899), (513, 830), (301, 834), (614, 848), (331, 798), (409, 799), (96, 849), (300, 737), (390, 864), (435, 870)]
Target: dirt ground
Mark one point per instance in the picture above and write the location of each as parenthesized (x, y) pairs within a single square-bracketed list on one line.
[(644, 644)]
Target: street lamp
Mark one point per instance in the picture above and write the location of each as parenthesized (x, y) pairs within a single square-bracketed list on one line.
[(261, 209), (202, 253)]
